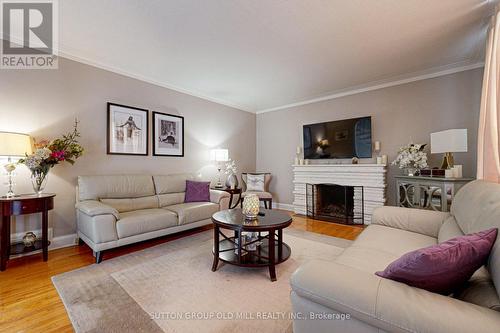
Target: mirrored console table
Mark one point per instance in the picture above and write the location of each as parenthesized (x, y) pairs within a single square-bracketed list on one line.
[(433, 193)]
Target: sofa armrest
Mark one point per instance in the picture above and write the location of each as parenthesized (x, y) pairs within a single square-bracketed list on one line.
[(221, 198), (421, 221), (387, 304), (94, 208)]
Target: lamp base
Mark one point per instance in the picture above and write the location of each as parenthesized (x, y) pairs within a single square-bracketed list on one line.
[(448, 161), (10, 196)]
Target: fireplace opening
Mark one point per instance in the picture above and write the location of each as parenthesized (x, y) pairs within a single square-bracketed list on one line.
[(335, 203)]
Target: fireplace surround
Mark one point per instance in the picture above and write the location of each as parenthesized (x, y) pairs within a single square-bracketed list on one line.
[(335, 203)]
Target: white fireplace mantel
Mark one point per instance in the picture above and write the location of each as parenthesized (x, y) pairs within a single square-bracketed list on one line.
[(371, 176)]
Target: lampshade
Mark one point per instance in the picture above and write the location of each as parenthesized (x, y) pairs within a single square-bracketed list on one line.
[(15, 144), (219, 155), (449, 141)]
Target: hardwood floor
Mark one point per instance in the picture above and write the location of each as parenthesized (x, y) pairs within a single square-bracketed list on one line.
[(326, 228), (30, 303)]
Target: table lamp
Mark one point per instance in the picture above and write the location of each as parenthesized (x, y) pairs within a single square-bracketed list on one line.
[(13, 145), (219, 155), (449, 142)]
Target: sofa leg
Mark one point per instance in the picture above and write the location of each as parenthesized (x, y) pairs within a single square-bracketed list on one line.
[(98, 257), (80, 242), (271, 204)]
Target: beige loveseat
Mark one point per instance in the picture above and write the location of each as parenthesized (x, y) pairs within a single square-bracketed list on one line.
[(121, 209), (323, 290)]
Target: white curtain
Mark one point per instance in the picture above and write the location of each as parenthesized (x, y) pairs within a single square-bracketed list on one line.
[(488, 155)]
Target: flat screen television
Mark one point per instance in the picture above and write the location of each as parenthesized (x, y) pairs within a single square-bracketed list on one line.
[(339, 139)]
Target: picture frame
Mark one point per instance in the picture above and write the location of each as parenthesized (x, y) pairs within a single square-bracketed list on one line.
[(168, 135), (127, 130)]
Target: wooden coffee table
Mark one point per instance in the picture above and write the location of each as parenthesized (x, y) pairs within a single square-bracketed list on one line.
[(270, 250)]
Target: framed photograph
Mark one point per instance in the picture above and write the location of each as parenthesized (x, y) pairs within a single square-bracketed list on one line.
[(168, 134), (128, 129)]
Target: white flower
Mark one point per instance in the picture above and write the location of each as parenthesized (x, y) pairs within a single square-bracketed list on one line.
[(43, 153), (231, 168), (32, 162), (410, 156)]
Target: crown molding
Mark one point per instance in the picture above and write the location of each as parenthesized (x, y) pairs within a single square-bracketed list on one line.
[(146, 79), (449, 69), (143, 78), (73, 57), (375, 85)]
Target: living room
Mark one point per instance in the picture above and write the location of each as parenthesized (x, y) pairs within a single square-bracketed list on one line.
[(273, 166)]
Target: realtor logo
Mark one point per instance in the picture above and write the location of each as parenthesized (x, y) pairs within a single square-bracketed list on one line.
[(30, 34)]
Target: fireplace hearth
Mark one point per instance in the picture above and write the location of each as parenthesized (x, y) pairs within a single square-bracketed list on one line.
[(335, 203)]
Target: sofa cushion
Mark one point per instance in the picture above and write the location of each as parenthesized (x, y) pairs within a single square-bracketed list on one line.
[(476, 206), (130, 204), (143, 221), (480, 290), (169, 199), (173, 183), (449, 229), (197, 191), (115, 186), (445, 267), (392, 240), (377, 246), (193, 211)]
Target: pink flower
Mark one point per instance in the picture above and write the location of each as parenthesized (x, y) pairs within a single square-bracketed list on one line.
[(58, 155)]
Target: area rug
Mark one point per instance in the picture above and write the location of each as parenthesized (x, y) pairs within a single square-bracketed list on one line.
[(171, 288)]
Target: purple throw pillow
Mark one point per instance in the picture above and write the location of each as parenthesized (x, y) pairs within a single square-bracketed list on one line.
[(444, 267), (197, 191)]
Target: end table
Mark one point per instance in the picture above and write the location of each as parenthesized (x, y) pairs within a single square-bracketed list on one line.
[(433, 193), (232, 192), (21, 205)]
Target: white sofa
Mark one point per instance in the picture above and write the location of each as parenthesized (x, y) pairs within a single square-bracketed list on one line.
[(347, 285), (118, 210)]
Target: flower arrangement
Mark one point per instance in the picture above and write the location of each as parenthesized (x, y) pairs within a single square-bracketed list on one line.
[(50, 153), (231, 168), (411, 157)]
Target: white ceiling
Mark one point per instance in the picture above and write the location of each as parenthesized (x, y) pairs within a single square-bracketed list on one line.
[(259, 55)]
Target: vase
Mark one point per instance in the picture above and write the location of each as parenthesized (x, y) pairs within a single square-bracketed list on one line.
[(232, 181), (411, 171), (39, 180), (251, 205)]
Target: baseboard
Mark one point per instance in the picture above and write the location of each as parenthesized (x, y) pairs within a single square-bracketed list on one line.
[(63, 241), (283, 206), (58, 242)]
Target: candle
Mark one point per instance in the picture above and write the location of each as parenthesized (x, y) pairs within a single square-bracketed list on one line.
[(379, 159), (251, 206), (457, 171), (377, 145), (384, 159), (298, 150)]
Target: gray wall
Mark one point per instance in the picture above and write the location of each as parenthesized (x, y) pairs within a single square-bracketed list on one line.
[(400, 114), (44, 103)]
